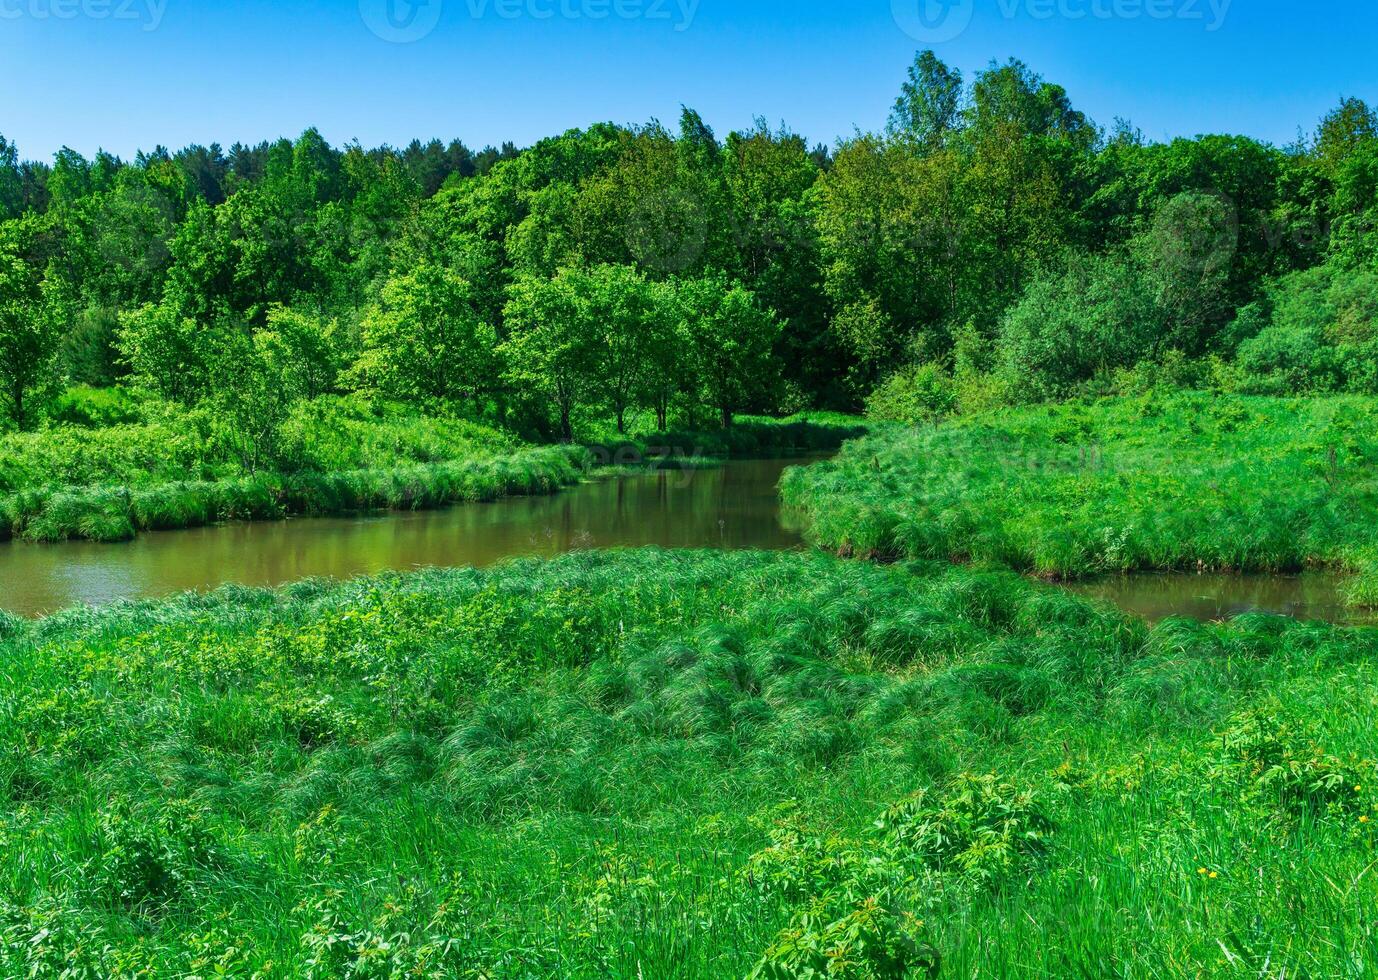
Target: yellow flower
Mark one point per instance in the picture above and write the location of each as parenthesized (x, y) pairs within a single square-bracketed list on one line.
[(1215, 874), (1363, 819), (1200, 871)]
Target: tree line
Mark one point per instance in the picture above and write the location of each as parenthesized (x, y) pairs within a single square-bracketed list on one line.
[(992, 239)]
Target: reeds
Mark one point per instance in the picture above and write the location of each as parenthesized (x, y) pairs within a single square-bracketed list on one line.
[(115, 514)]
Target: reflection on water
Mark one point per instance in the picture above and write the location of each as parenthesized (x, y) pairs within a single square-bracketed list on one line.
[(734, 506), (1315, 595)]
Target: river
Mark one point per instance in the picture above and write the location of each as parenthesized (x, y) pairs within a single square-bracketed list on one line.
[(732, 506)]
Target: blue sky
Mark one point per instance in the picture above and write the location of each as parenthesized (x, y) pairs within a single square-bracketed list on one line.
[(130, 74)]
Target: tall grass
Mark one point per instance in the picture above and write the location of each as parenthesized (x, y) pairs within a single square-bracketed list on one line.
[(335, 456), (116, 514), (1162, 482), (682, 764)]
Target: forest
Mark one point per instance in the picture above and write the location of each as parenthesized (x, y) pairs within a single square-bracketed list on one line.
[(992, 246), (1035, 348)]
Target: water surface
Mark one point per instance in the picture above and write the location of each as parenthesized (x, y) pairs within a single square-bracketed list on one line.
[(1315, 595), (733, 506)]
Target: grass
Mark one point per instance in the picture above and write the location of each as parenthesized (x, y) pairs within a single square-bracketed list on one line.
[(336, 456), (118, 513), (1161, 482), (687, 764)]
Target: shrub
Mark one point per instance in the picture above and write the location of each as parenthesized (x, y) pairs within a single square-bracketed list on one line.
[(1097, 315), (979, 828), (913, 394), (869, 942)]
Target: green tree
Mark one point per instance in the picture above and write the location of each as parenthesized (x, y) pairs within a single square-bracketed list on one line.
[(1096, 315), (166, 352), (550, 348), (29, 338), (425, 339), (1186, 254), (302, 350), (732, 339), (929, 102)]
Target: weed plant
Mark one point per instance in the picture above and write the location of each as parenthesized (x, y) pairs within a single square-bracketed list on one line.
[(689, 764)]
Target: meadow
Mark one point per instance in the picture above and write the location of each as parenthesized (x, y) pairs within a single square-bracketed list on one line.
[(653, 764), (1160, 482)]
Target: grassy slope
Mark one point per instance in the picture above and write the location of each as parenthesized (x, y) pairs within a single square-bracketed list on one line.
[(112, 482), (1161, 482), (650, 763)]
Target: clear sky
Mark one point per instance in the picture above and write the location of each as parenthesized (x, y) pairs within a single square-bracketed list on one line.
[(129, 74)]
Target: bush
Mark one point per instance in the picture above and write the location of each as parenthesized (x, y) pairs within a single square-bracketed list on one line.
[(1321, 335), (913, 394), (1097, 315)]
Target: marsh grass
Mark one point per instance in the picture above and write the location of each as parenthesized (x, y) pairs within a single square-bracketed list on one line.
[(1164, 482), (654, 763), (76, 483), (117, 513)]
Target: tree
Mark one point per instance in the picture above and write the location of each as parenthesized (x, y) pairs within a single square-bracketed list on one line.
[(29, 338), (11, 181), (425, 339), (550, 348), (929, 102), (1186, 255), (1346, 129), (1094, 316), (302, 350), (668, 365), (625, 329), (732, 338), (166, 352)]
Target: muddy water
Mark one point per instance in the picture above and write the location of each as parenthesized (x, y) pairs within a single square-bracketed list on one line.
[(1316, 595), (733, 506)]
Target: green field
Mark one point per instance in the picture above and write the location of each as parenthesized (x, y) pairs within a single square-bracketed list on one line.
[(1175, 481), (655, 763)]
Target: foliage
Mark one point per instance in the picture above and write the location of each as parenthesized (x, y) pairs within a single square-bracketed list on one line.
[(917, 393), (1160, 481), (1070, 326)]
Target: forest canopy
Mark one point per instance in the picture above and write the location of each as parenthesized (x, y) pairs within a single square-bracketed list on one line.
[(992, 245)]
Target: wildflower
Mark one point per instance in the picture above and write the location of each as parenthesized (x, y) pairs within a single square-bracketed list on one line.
[(1363, 819), (1215, 874), (1200, 871)]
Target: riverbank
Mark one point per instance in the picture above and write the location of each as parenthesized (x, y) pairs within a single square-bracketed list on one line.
[(1164, 482), (128, 487), (446, 774)]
